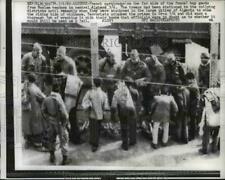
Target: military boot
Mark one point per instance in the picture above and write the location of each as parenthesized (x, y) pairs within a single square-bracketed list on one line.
[(52, 157), (66, 160)]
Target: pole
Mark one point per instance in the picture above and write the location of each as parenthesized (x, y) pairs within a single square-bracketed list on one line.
[(94, 50), (214, 51)]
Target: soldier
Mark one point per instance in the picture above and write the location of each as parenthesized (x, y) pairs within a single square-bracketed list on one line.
[(84, 65), (56, 116), (109, 70), (182, 98), (204, 70), (194, 104), (123, 104), (156, 68), (35, 61), (59, 80), (136, 71), (97, 102), (174, 70), (68, 65), (158, 74), (107, 65)]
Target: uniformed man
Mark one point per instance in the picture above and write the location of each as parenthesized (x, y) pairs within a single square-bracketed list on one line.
[(108, 69), (59, 80), (56, 116), (204, 70), (158, 74), (182, 98), (107, 65), (35, 61), (174, 70), (137, 72), (194, 104), (68, 65), (156, 68)]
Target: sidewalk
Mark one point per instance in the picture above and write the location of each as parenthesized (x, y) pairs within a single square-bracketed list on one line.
[(141, 155)]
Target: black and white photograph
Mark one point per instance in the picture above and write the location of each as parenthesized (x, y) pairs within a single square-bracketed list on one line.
[(2, 86), (127, 95)]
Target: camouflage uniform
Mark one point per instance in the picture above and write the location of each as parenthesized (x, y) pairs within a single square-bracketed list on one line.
[(56, 116), (109, 72), (182, 99), (203, 73), (29, 63), (134, 71)]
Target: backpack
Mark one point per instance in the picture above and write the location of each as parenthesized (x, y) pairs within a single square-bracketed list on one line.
[(211, 96), (212, 108)]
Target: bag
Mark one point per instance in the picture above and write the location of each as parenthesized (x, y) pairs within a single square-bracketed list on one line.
[(212, 118), (107, 115), (215, 105), (73, 85), (213, 98)]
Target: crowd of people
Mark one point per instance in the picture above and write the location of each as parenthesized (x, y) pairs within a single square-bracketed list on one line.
[(140, 91)]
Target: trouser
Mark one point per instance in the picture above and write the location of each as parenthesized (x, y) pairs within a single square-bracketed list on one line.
[(36, 139), (95, 126), (155, 133), (207, 133), (193, 127), (75, 134), (182, 129), (128, 127), (70, 102), (147, 98), (53, 131)]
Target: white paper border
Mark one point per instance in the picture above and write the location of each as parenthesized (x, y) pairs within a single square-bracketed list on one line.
[(18, 17)]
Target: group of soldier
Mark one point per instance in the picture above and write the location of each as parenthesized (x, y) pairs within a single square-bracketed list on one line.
[(137, 91)]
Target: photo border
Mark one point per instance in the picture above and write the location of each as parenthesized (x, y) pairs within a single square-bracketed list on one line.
[(12, 173)]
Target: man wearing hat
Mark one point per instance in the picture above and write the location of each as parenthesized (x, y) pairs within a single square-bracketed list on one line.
[(204, 70)]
